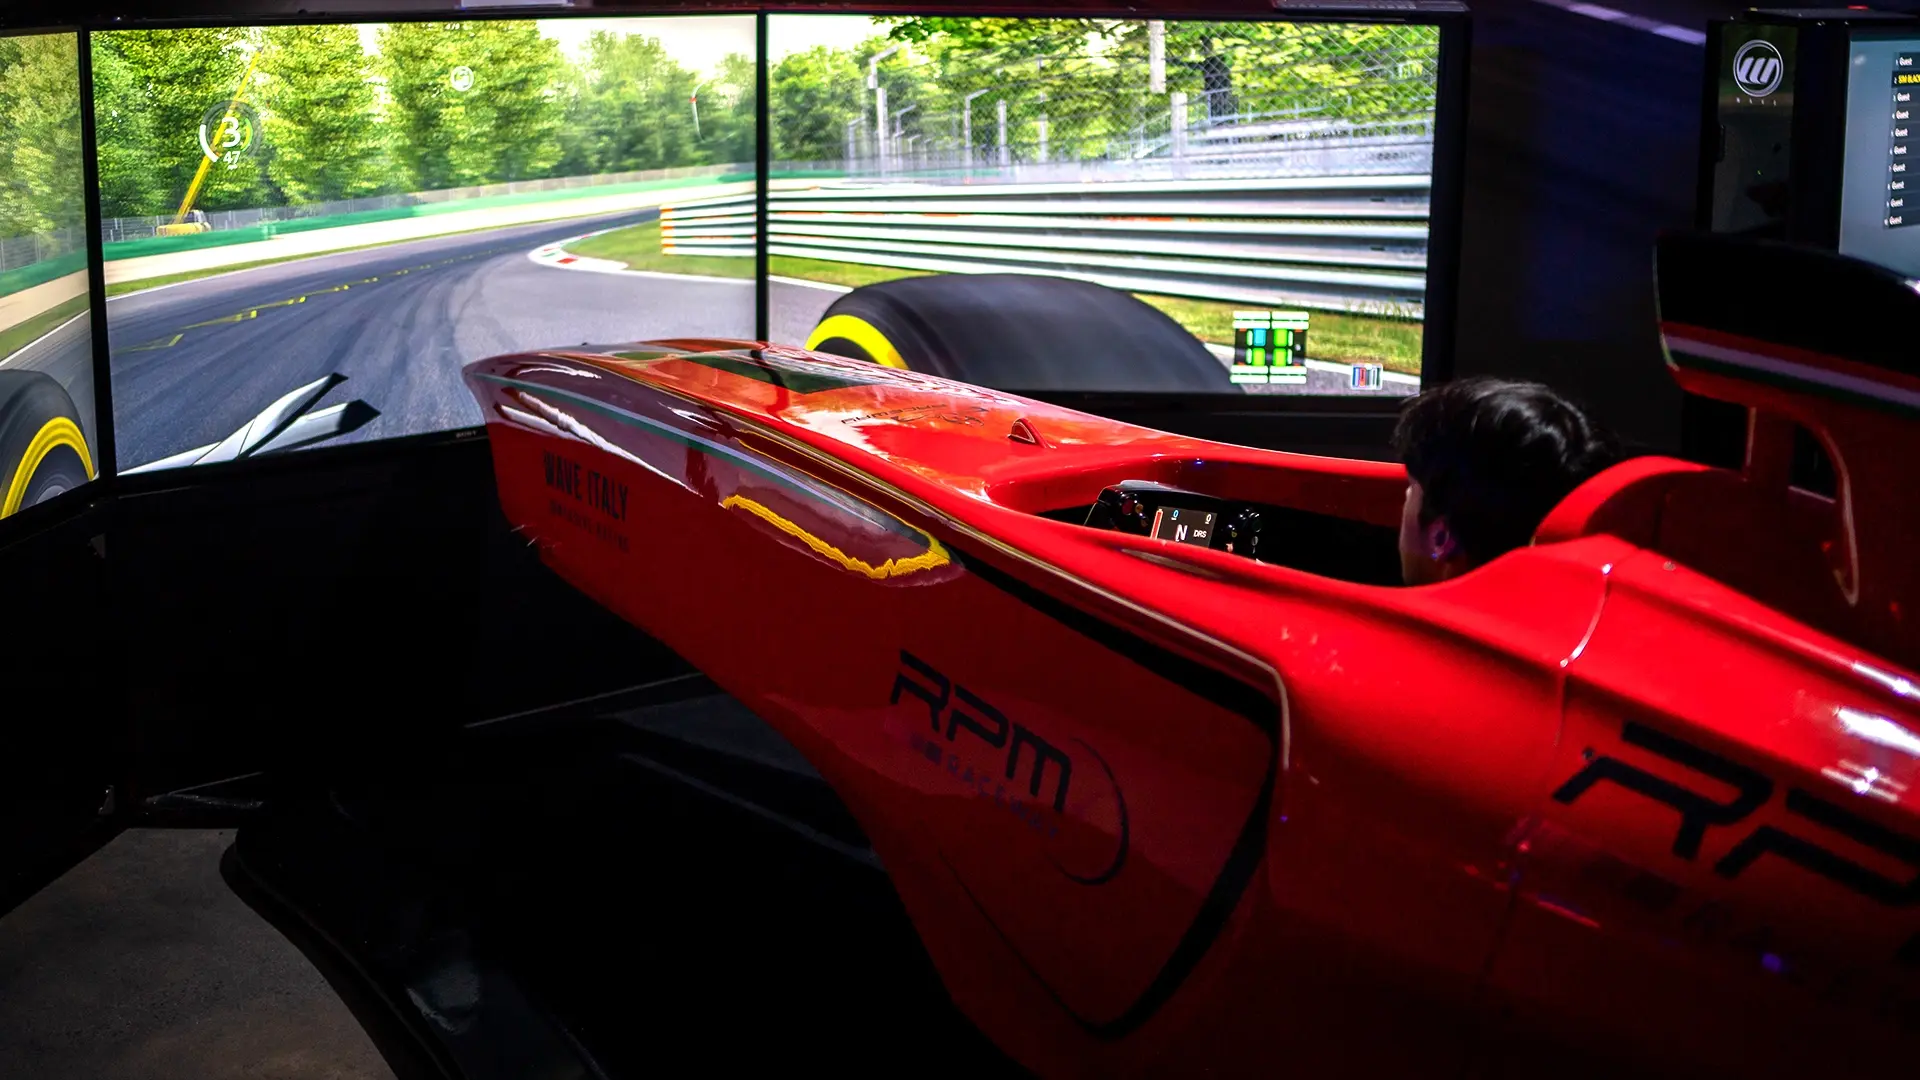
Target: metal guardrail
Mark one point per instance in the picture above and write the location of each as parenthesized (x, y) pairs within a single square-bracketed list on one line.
[(1353, 244), (141, 228)]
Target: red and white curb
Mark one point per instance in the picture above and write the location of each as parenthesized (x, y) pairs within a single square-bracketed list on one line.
[(557, 256)]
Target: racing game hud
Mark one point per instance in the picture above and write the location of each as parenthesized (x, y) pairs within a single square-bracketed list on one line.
[(308, 230), (1264, 184), (47, 426), (1880, 183)]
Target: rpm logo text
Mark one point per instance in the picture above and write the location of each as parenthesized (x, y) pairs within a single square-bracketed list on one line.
[(959, 719), (1801, 840)]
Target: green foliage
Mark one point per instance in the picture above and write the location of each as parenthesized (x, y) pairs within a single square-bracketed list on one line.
[(129, 183), (172, 77), (41, 184), (814, 94), (511, 116), (425, 116), (342, 122), (1089, 79), (632, 109), (727, 112), (323, 135)]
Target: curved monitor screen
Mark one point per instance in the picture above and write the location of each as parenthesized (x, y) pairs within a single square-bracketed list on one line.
[(1168, 206), (308, 230), (47, 423)]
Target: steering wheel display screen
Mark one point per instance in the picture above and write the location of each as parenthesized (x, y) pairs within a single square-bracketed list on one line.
[(1184, 525)]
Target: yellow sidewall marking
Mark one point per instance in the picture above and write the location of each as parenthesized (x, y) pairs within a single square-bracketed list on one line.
[(861, 333), (934, 556), (57, 432)]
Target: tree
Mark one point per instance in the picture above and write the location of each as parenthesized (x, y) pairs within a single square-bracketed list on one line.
[(173, 77), (727, 113), (513, 110), (633, 108), (505, 123), (130, 185), (325, 137), (40, 136), (1358, 71), (812, 96), (425, 114)]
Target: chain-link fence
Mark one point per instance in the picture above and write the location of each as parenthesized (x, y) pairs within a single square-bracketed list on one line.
[(18, 251), (1289, 107), (141, 228)]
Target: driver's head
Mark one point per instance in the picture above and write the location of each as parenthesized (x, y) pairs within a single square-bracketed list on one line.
[(1486, 460)]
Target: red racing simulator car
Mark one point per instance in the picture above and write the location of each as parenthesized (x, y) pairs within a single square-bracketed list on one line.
[(1173, 778)]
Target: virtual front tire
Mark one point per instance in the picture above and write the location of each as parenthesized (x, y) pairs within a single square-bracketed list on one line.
[(43, 452), (1019, 332)]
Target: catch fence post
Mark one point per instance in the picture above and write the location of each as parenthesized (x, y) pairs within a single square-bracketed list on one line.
[(1178, 122), (1005, 158)]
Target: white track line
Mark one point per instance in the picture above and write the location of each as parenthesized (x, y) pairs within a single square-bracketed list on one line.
[(556, 256), (22, 350), (821, 285), (1636, 22)]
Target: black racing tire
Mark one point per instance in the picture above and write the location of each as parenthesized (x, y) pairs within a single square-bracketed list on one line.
[(1019, 332), (43, 451)]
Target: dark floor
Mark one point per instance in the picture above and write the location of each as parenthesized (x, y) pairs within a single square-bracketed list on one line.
[(141, 964)]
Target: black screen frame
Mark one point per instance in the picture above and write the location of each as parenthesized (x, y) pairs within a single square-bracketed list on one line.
[(163, 479), (81, 501), (1318, 420), (1437, 344)]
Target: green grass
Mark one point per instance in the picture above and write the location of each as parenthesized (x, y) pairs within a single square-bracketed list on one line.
[(13, 338), (1392, 343), (852, 275), (639, 247)]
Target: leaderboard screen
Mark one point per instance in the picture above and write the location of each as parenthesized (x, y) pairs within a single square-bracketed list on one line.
[(308, 230), (1262, 187), (47, 423), (1880, 187)]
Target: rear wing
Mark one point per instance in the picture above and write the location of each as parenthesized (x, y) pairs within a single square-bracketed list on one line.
[(1831, 344)]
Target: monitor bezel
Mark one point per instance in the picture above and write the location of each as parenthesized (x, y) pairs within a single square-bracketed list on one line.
[(88, 497), (1310, 416)]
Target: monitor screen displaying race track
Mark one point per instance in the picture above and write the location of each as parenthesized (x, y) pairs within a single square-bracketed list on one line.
[(308, 230), (1109, 204), (47, 424)]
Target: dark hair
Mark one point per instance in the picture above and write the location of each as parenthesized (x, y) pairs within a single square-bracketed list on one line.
[(1493, 457)]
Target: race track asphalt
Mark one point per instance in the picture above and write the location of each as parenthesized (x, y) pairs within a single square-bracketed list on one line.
[(193, 362)]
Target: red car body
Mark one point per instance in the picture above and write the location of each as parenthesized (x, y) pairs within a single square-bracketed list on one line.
[(1602, 804)]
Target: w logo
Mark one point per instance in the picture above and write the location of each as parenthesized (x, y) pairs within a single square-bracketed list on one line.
[(1758, 68)]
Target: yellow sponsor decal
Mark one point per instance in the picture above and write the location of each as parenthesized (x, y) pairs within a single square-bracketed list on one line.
[(935, 555)]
